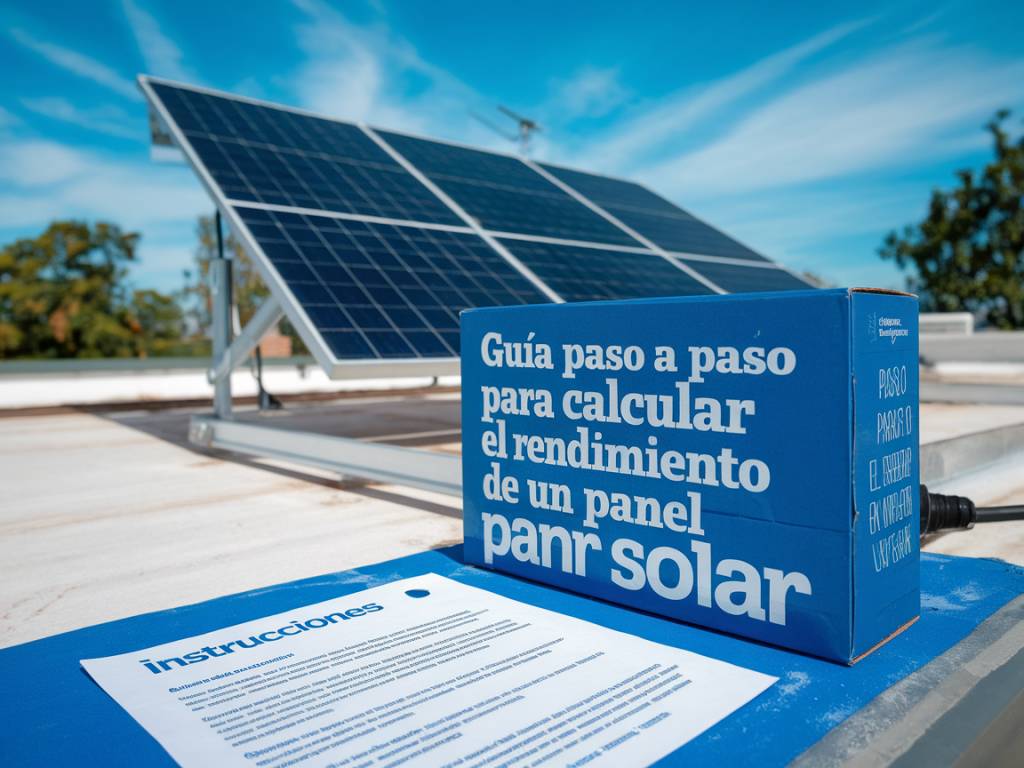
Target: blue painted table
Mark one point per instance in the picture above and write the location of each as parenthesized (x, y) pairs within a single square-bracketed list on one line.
[(53, 714)]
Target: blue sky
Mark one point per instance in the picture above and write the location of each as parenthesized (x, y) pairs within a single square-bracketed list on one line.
[(806, 130)]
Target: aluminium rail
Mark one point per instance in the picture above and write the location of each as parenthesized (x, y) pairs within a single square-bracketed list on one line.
[(414, 467), (944, 463)]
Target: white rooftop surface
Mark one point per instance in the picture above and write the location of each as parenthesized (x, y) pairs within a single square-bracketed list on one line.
[(105, 516)]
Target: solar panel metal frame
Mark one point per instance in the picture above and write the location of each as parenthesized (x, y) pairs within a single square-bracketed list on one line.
[(338, 368)]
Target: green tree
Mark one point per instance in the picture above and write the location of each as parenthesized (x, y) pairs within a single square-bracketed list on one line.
[(61, 293), (65, 294), (157, 323), (968, 252)]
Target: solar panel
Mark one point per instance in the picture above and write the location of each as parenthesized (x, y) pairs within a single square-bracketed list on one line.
[(280, 157), (736, 278), (504, 194), (380, 290), (372, 241), (663, 223), (585, 274)]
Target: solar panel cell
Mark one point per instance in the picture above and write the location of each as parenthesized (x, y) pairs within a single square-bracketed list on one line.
[(328, 317), (505, 195), (663, 223), (427, 344), (399, 289), (739, 279), (279, 157), (348, 345), (684, 234), (605, 190), (311, 293), (586, 274)]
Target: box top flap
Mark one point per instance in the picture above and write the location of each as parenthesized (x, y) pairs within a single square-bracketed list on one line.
[(888, 291)]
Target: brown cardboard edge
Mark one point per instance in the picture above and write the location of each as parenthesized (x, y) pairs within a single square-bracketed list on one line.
[(887, 291), (883, 641)]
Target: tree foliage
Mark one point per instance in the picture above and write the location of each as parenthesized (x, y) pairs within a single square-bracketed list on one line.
[(968, 252), (157, 322), (63, 294)]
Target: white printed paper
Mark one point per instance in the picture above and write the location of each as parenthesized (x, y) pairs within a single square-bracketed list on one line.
[(422, 672)]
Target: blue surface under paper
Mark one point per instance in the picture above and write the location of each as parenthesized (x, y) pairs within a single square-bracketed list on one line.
[(51, 713)]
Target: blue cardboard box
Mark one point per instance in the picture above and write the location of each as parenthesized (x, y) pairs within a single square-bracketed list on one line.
[(747, 462)]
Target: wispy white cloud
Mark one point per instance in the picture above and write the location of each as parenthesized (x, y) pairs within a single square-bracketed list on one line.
[(804, 154), (78, 64), (6, 118), (652, 126), (819, 229), (366, 73), (926, 21), (804, 220), (162, 55), (590, 92), (108, 119), (44, 180), (34, 163), (41, 181), (913, 103)]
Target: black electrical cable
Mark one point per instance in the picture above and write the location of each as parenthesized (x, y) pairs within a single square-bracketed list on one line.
[(1000, 514), (265, 401), (940, 512)]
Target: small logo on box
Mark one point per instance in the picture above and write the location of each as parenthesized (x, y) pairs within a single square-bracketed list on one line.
[(891, 328)]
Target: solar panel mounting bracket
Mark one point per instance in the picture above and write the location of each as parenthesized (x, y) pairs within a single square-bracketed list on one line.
[(265, 318)]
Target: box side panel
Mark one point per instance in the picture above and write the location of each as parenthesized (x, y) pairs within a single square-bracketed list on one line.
[(772, 564), (886, 466)]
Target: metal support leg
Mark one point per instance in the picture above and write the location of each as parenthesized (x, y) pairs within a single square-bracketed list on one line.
[(414, 467), (266, 317), (221, 273)]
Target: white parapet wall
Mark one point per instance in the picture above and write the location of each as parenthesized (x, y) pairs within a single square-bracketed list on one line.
[(947, 323), (57, 383)]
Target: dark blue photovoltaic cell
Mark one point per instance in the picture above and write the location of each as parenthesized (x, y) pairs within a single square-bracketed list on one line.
[(738, 279), (606, 191), (269, 155), (504, 194), (376, 290), (587, 274), (652, 216)]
